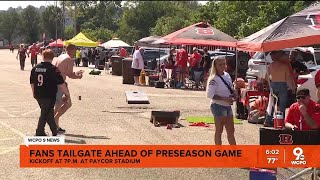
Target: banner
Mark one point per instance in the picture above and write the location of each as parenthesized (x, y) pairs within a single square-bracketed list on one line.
[(163, 156)]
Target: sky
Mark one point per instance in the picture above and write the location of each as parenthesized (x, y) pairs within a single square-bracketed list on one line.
[(4, 5)]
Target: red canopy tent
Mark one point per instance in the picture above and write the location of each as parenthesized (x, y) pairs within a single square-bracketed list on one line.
[(198, 34), (58, 43), (299, 29)]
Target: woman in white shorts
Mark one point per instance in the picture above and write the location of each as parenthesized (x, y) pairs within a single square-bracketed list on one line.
[(222, 94)]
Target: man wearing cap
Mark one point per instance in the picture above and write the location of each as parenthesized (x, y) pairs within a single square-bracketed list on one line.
[(137, 65), (304, 114), (181, 64)]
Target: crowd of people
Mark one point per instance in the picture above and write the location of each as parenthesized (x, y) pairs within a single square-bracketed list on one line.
[(303, 113), (49, 87)]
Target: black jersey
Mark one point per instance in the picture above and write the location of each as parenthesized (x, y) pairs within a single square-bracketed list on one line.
[(45, 78)]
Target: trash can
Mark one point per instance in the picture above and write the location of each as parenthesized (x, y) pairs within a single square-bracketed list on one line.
[(116, 62), (127, 73)]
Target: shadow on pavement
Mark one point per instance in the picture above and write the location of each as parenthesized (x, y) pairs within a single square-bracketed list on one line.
[(88, 137), (75, 142)]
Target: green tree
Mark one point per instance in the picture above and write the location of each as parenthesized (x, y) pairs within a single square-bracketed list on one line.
[(30, 21), (167, 25), (9, 21), (98, 34), (69, 32), (139, 19), (50, 17)]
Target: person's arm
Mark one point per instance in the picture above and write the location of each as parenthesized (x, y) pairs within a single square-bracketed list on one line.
[(310, 121), (70, 72), (211, 93), (65, 90), (32, 88), (289, 120), (31, 82), (17, 54)]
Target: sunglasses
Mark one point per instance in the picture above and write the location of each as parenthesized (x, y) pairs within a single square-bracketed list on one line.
[(300, 97)]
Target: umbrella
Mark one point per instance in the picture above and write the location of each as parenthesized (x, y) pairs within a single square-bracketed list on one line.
[(81, 40), (198, 34), (299, 29), (147, 41), (114, 43), (59, 43)]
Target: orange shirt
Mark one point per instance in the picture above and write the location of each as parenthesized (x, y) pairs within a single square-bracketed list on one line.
[(33, 51)]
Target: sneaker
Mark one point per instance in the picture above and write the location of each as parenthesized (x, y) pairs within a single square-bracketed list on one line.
[(60, 130), (41, 134)]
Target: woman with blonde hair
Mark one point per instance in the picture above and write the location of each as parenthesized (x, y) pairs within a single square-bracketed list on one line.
[(222, 95)]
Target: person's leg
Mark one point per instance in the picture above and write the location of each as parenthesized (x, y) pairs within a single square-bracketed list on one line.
[(44, 106), (36, 60), (283, 97), (50, 118), (21, 64), (229, 124), (217, 113)]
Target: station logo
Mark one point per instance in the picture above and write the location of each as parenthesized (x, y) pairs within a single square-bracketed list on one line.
[(300, 159)]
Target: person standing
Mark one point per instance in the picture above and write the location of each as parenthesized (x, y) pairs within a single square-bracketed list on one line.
[(65, 64), (222, 95), (195, 60), (34, 53), (78, 56), (122, 52), (22, 53), (45, 80), (137, 65), (181, 65), (281, 79)]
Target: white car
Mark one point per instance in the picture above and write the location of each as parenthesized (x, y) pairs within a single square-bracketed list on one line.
[(307, 81), (257, 67)]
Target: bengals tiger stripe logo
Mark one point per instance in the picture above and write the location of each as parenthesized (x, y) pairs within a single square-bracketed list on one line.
[(204, 31), (315, 21)]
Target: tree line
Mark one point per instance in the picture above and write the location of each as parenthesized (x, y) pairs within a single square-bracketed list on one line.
[(133, 20)]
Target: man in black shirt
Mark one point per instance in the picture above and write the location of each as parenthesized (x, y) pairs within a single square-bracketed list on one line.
[(206, 60), (45, 79)]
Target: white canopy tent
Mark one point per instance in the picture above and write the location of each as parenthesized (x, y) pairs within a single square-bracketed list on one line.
[(114, 43)]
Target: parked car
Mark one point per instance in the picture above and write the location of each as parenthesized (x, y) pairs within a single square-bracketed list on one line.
[(151, 58), (307, 81), (257, 65)]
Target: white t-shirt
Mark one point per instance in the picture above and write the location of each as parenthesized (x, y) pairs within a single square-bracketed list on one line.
[(137, 55), (217, 87)]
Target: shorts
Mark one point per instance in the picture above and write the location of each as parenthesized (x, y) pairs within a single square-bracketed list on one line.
[(181, 69), (136, 72), (59, 96), (218, 110), (34, 60)]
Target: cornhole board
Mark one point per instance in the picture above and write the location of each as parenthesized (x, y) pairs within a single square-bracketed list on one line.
[(137, 97)]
